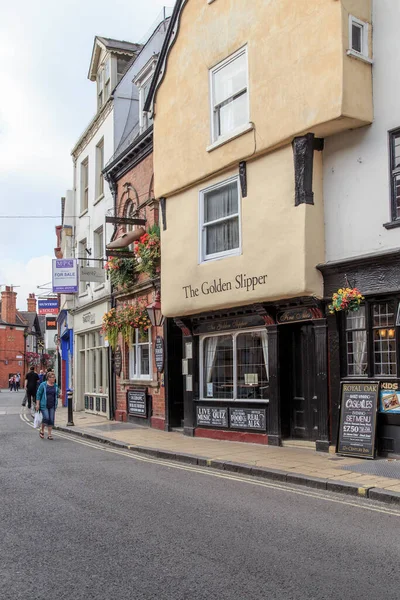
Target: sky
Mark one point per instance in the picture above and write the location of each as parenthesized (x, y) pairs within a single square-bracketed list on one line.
[(46, 101)]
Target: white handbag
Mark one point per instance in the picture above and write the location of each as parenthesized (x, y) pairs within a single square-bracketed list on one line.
[(37, 421)]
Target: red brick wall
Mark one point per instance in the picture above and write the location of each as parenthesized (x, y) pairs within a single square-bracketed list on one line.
[(137, 186), (12, 344)]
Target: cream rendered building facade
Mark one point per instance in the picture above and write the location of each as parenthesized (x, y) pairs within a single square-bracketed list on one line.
[(245, 96)]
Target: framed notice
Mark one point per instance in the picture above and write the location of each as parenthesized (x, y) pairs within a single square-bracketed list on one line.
[(390, 397), (357, 425)]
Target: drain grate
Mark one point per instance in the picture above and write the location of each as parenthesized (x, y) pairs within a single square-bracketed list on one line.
[(384, 468)]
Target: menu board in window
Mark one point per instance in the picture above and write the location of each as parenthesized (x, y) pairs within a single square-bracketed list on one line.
[(357, 426)]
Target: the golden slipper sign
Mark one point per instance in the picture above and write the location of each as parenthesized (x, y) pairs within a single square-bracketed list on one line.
[(216, 286)]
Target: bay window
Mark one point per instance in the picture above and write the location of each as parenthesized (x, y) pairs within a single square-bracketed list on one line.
[(140, 355), (234, 366)]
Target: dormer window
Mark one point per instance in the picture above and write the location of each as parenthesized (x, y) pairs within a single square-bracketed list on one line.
[(103, 84), (143, 82)]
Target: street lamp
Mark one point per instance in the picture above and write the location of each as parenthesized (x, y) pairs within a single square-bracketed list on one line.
[(154, 311)]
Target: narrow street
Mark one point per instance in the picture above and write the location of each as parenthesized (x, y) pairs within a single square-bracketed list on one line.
[(80, 520)]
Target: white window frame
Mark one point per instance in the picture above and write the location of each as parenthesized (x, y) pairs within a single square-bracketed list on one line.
[(82, 246), (203, 257), (84, 177), (215, 137), (234, 335), (364, 54), (99, 168), (134, 367), (140, 81), (98, 251)]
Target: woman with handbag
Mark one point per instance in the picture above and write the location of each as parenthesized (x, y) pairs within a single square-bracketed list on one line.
[(47, 401)]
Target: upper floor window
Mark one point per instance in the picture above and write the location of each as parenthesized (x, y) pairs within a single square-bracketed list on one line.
[(395, 171), (98, 247), (229, 95), (143, 82), (84, 185), (220, 220), (358, 37), (103, 84), (99, 169), (82, 254)]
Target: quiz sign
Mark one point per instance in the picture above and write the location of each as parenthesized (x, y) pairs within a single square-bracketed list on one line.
[(65, 276)]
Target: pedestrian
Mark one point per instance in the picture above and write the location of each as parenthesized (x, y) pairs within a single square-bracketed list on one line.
[(41, 376), (31, 383), (49, 370), (47, 401), (10, 383), (17, 382), (14, 384)]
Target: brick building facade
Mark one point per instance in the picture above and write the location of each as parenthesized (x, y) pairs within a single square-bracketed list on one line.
[(19, 333)]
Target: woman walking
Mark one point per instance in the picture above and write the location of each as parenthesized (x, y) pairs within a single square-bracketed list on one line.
[(46, 401)]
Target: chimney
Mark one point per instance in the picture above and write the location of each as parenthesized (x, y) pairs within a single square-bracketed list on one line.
[(31, 301), (9, 305)]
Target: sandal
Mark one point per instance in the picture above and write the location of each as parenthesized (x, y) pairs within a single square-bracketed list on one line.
[(41, 434), (50, 437)]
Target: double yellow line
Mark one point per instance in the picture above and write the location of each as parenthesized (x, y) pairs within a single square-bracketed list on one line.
[(323, 496)]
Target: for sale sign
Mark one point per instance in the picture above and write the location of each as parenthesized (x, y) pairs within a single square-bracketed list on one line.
[(65, 276)]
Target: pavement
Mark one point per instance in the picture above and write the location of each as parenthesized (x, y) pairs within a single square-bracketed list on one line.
[(378, 479)]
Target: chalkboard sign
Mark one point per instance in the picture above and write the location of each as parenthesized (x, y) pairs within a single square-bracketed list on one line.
[(137, 404), (103, 405), (358, 409), (117, 361), (212, 416), (159, 353), (247, 418), (98, 404), (91, 403)]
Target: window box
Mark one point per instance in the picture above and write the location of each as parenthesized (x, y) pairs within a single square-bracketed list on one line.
[(234, 366), (220, 227)]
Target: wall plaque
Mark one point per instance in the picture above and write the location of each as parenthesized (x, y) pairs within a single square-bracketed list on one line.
[(247, 418), (357, 426), (137, 403), (118, 361), (159, 353), (212, 416)]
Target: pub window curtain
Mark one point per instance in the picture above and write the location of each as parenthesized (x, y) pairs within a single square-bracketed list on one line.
[(210, 346), (219, 204), (264, 341), (359, 342)]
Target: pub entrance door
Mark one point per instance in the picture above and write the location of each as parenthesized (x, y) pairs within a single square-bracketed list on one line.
[(299, 403)]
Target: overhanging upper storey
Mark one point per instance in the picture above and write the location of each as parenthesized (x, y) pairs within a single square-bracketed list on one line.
[(236, 80)]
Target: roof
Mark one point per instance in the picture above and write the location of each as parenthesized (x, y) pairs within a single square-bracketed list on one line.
[(168, 43), (101, 43), (111, 44), (31, 318)]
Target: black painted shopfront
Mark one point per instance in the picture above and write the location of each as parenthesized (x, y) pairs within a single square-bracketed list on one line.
[(257, 373), (364, 345)]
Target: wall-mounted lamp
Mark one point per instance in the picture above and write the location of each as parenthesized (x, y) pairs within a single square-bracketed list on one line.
[(154, 311), (382, 333), (391, 333)]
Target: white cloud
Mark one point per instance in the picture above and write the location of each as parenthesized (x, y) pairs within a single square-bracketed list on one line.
[(27, 277)]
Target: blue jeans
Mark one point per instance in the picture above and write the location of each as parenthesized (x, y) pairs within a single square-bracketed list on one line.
[(48, 416)]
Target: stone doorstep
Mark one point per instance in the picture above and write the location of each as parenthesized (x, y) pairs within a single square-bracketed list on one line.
[(335, 485)]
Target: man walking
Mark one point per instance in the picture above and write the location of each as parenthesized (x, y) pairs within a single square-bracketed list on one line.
[(31, 383)]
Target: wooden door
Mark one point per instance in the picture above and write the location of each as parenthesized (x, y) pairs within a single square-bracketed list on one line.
[(303, 409)]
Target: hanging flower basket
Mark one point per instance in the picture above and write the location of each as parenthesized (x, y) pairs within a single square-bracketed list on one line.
[(125, 320), (347, 299), (148, 252), (121, 271), (32, 358), (110, 327)]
